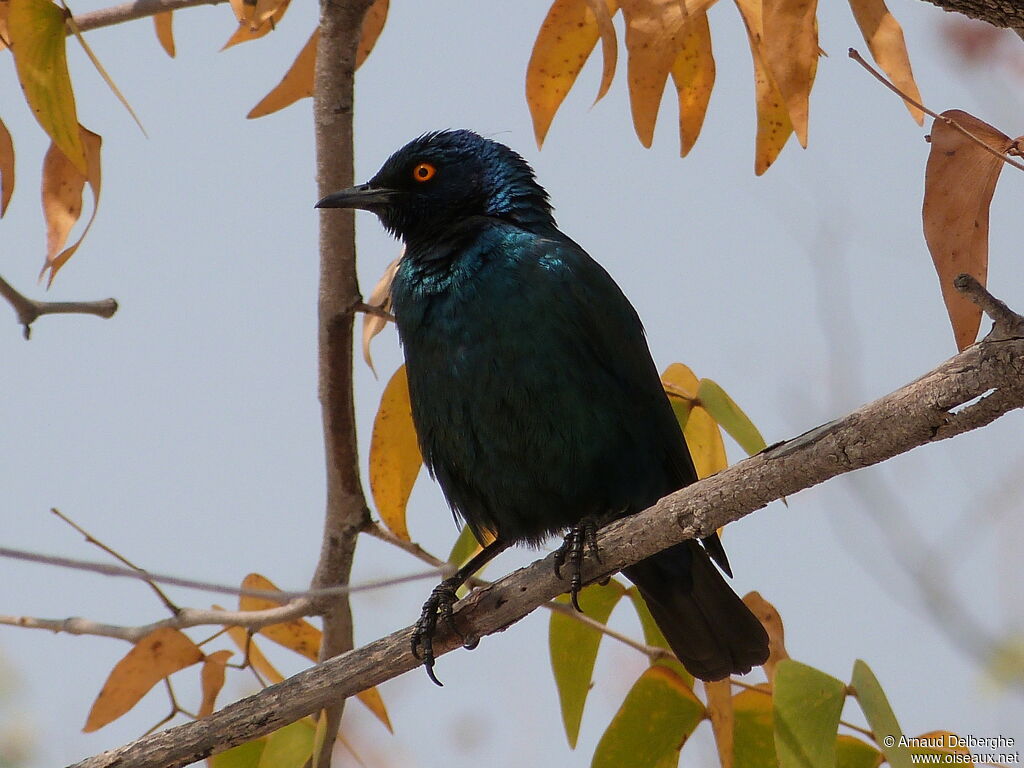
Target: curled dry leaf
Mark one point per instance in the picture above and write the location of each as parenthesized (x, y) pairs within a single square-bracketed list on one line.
[(6, 166), (960, 179), (246, 32), (212, 680), (156, 656), (772, 622), (884, 37), (164, 26), (790, 48), (380, 297), (773, 124), (564, 43), (719, 707), (395, 458), (62, 199), (693, 74)]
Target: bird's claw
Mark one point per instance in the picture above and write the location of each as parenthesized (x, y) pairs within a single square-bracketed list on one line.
[(580, 536), (438, 606)]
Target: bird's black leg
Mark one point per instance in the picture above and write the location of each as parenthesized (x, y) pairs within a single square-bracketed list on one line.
[(440, 604), (583, 534)]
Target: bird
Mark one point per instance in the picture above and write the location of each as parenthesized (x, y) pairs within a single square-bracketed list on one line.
[(536, 401)]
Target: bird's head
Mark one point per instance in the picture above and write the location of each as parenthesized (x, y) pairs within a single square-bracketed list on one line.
[(440, 179)]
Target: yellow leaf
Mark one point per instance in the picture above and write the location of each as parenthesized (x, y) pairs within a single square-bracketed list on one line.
[(37, 32), (212, 680), (959, 182), (296, 635), (693, 74), (773, 124), (680, 381), (719, 706), (380, 297), (62, 199), (564, 43), (884, 37), (373, 25), (371, 699), (5, 7), (6, 167), (655, 33), (156, 656), (247, 31), (704, 439), (395, 458), (296, 84), (770, 619), (257, 660), (791, 53), (164, 25)]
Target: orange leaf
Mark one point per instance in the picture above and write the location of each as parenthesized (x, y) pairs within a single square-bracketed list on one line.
[(704, 439), (5, 8), (371, 699), (212, 678), (62, 199), (6, 166), (884, 37), (296, 635), (379, 297), (791, 51), (256, 658), (772, 622), (960, 179), (655, 33), (564, 43), (693, 74), (247, 31), (719, 706), (395, 458), (296, 84), (373, 25), (773, 124), (164, 24), (680, 381), (156, 656)]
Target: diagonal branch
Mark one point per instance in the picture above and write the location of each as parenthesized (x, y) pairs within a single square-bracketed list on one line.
[(29, 309), (966, 392)]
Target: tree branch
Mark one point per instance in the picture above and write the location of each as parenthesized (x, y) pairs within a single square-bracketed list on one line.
[(943, 403), (138, 9), (1008, 14), (29, 309)]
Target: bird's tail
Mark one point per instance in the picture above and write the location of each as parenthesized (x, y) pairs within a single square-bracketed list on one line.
[(706, 624)]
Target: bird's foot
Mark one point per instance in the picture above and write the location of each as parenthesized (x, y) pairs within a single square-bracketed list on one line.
[(438, 606), (580, 536)]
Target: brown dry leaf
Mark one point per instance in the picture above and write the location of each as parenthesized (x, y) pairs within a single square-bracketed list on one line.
[(257, 660), (158, 655), (790, 47), (564, 43), (380, 297), (62, 199), (5, 7), (395, 458), (238, 9), (719, 706), (212, 679), (773, 124), (296, 84), (772, 622), (693, 74), (6, 165), (247, 32), (371, 699), (960, 179), (296, 635), (884, 37), (164, 25), (373, 25)]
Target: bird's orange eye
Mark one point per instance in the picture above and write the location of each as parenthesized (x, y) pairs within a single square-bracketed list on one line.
[(424, 172)]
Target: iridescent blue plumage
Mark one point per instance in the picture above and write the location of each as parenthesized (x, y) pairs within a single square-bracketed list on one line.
[(535, 398)]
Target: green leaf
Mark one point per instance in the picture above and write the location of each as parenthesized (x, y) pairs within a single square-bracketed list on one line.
[(753, 743), (732, 418), (681, 408), (854, 753), (807, 706), (289, 747), (574, 648), (879, 714), (464, 548), (245, 755), (37, 32), (657, 717)]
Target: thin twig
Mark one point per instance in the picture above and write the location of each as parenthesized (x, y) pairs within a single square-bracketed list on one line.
[(28, 310), (90, 539), (947, 120), (137, 9), (1007, 323), (370, 309)]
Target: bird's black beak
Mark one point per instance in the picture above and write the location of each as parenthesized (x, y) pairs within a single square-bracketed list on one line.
[(364, 196)]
